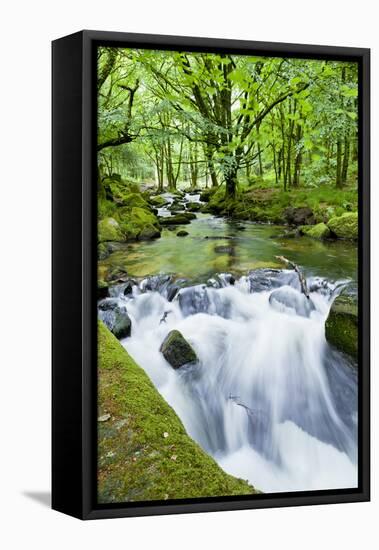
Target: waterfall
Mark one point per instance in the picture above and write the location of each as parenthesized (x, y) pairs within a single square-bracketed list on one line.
[(269, 399)]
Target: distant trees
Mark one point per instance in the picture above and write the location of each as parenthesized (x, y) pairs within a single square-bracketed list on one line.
[(223, 118)]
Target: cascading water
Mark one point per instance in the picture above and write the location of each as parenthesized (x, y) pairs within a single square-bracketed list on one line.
[(269, 399)]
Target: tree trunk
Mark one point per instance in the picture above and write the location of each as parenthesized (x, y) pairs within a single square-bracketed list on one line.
[(345, 163), (339, 165), (230, 184)]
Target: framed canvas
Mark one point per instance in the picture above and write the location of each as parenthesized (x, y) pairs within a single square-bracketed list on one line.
[(210, 275)]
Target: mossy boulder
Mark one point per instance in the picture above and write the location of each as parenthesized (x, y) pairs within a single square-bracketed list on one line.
[(177, 351), (144, 452), (131, 200), (345, 226), (157, 201), (177, 219), (341, 326), (193, 206), (138, 223), (148, 232), (318, 231), (109, 230)]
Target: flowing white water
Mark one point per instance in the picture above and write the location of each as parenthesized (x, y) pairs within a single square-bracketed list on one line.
[(269, 399)]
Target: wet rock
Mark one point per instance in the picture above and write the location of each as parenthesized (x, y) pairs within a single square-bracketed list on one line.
[(116, 318), (102, 290), (182, 233), (177, 351), (194, 299), (177, 219), (221, 280), (156, 283), (341, 326), (108, 304), (299, 215), (174, 287), (263, 279), (287, 298), (149, 232)]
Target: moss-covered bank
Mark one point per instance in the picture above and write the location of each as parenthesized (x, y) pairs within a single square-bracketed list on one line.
[(294, 207), (144, 451)]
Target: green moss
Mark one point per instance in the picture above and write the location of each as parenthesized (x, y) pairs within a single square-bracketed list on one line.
[(109, 230), (144, 451), (177, 351), (133, 199), (341, 327), (345, 226), (319, 231), (138, 223), (157, 201)]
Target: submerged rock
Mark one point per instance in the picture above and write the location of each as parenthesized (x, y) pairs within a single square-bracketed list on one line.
[(345, 226), (287, 297), (341, 326), (182, 233), (177, 351)]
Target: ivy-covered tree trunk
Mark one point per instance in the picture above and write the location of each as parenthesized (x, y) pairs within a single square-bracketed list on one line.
[(345, 162), (339, 182)]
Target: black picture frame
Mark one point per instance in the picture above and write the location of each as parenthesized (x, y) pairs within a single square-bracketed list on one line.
[(74, 275)]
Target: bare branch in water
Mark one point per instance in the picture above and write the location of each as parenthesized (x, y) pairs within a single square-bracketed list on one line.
[(302, 279)]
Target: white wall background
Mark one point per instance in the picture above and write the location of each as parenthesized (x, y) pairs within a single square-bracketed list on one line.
[(26, 31)]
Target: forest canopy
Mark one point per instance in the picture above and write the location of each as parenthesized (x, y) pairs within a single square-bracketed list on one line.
[(210, 120)]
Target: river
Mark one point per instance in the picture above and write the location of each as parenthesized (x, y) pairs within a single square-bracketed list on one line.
[(269, 399)]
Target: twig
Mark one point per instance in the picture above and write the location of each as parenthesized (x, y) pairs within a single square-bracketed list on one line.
[(303, 282)]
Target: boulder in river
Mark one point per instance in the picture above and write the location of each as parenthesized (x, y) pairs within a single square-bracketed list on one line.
[(299, 215), (345, 226), (177, 219), (193, 206), (182, 233), (319, 231), (115, 317), (157, 200), (177, 351), (341, 326)]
